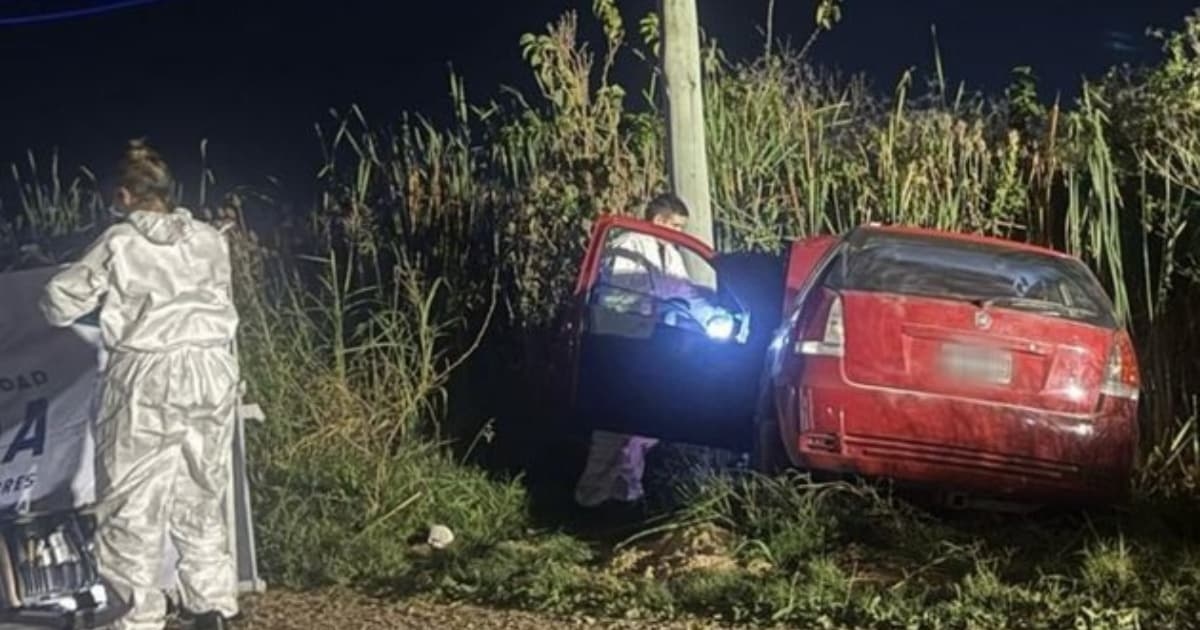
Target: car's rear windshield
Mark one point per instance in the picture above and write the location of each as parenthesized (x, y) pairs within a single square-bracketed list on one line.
[(983, 273)]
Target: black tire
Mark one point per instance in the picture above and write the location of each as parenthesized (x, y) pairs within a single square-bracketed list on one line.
[(769, 456)]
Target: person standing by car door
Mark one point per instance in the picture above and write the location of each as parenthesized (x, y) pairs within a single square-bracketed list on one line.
[(162, 282), (646, 265)]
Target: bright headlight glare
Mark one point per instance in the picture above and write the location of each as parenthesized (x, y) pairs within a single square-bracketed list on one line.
[(719, 327)]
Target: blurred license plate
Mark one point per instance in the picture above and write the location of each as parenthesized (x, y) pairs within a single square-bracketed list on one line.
[(973, 363)]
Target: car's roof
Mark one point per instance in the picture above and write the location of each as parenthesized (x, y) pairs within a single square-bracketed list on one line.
[(629, 222), (961, 237)]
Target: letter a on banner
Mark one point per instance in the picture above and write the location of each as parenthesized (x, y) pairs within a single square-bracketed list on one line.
[(32, 435)]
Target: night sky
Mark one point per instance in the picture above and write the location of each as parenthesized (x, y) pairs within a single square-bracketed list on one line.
[(253, 76)]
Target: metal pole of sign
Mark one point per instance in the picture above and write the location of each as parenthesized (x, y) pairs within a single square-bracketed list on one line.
[(239, 519)]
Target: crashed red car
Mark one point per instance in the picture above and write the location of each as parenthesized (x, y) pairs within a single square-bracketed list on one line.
[(978, 367)]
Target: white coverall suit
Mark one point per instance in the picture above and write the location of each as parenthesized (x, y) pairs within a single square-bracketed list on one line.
[(616, 461), (164, 436)]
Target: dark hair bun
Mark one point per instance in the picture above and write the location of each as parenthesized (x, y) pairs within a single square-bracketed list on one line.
[(144, 174), (138, 151)]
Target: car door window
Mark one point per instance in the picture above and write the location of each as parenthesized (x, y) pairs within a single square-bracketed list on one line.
[(645, 263), (645, 276)]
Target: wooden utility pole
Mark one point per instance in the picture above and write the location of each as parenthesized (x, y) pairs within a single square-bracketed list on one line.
[(687, 160)]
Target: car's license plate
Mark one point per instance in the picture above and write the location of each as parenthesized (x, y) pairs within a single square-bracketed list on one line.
[(977, 364)]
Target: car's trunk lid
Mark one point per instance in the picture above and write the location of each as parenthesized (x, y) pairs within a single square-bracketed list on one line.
[(958, 349), (975, 319)]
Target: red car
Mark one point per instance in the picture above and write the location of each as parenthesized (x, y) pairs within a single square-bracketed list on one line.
[(977, 367)]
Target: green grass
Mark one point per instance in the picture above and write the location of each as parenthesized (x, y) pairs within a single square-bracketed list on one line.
[(429, 243), (842, 556)]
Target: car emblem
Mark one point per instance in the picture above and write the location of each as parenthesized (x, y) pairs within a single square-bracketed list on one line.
[(983, 321)]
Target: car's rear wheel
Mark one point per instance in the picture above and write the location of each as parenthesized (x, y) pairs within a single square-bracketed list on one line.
[(769, 456)]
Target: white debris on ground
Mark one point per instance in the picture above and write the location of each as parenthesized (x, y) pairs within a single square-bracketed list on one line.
[(440, 537)]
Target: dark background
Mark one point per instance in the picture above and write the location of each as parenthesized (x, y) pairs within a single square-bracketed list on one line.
[(253, 77)]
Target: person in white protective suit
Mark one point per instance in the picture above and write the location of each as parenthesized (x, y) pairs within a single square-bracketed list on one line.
[(162, 281), (644, 264)]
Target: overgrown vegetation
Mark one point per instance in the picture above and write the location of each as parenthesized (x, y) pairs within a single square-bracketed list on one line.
[(428, 244)]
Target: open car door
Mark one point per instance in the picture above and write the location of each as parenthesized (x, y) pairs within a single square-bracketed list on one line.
[(661, 346)]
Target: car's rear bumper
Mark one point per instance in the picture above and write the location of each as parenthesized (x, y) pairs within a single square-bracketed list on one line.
[(977, 448)]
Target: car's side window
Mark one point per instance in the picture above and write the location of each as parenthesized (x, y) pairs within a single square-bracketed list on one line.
[(830, 274), (625, 284), (634, 263), (649, 264), (643, 276)]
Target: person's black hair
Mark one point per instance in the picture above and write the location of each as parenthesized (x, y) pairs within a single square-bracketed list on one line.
[(665, 204)]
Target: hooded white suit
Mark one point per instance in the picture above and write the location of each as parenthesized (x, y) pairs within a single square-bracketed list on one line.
[(164, 438)]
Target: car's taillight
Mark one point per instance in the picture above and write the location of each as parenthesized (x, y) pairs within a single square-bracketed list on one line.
[(1121, 378), (833, 341)]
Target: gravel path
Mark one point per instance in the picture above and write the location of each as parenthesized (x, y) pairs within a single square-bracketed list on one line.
[(346, 610)]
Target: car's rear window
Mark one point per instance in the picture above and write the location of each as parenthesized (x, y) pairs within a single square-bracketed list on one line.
[(947, 268)]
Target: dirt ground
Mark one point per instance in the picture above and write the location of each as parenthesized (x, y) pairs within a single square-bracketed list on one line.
[(345, 610)]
